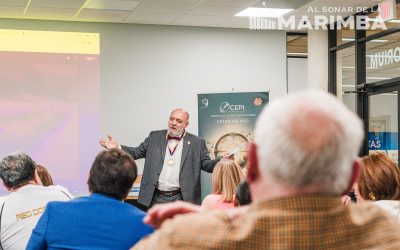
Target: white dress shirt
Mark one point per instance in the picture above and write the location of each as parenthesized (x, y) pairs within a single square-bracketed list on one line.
[(169, 177)]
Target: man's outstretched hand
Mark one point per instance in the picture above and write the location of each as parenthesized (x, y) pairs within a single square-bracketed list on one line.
[(109, 143)]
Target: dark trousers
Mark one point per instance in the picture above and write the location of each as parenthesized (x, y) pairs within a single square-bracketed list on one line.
[(159, 198)]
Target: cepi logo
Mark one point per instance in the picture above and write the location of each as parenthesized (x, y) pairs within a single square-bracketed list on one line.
[(226, 107)]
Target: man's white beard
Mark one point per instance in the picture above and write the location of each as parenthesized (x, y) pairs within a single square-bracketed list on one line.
[(175, 132)]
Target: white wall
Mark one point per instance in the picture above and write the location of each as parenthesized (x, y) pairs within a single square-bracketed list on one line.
[(147, 70), (385, 105), (297, 74)]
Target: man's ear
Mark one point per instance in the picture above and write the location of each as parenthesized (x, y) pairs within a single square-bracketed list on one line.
[(355, 174), (37, 179), (253, 171)]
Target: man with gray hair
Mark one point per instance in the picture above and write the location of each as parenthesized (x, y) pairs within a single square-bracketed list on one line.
[(21, 209), (303, 159)]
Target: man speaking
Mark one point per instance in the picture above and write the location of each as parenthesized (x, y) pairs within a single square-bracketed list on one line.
[(173, 160)]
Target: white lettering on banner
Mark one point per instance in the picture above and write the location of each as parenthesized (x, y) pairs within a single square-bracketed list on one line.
[(375, 144), (225, 107), (317, 22), (384, 58)]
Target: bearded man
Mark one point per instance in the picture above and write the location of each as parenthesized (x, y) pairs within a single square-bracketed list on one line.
[(174, 159)]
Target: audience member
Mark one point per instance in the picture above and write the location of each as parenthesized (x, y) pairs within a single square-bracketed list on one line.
[(22, 208), (44, 176), (303, 158), (225, 179), (101, 220), (242, 195), (380, 182)]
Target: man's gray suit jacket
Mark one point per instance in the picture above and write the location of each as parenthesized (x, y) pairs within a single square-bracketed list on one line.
[(194, 158)]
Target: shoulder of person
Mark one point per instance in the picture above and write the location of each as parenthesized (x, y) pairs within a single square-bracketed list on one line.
[(62, 189), (2, 199), (193, 137), (162, 132), (213, 197), (133, 211), (367, 211), (211, 220)]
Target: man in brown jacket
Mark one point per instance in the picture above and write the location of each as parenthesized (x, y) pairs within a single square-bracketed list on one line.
[(303, 158)]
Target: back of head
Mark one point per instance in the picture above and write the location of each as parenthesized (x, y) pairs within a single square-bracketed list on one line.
[(379, 178), (44, 176), (17, 169), (226, 177), (308, 140), (243, 195), (113, 173)]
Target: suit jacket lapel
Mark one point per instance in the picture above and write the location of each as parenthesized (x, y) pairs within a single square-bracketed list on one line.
[(164, 143), (185, 149)]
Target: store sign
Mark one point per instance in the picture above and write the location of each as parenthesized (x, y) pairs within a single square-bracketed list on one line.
[(385, 142), (385, 57), (387, 9)]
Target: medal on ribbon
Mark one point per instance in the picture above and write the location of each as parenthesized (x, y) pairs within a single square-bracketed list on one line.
[(171, 162), (173, 143)]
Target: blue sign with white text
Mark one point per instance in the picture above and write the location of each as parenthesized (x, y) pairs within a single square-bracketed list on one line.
[(382, 141)]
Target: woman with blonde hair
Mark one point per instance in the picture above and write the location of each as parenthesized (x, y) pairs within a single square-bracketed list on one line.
[(226, 177), (380, 182)]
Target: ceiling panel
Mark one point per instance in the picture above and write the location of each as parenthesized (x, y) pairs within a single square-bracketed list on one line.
[(231, 3), (102, 15), (214, 11), (10, 11), (163, 8), (61, 4), (190, 2), (191, 20), (50, 13), (112, 4), (13, 2), (151, 18), (167, 12)]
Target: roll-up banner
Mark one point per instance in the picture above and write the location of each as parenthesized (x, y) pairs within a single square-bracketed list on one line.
[(226, 123)]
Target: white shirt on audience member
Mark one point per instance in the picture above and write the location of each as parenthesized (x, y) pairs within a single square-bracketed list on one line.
[(21, 210)]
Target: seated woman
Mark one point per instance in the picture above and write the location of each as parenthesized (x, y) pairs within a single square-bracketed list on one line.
[(44, 176), (226, 177), (380, 182)]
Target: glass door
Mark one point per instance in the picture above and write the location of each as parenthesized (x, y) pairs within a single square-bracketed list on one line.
[(383, 124)]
